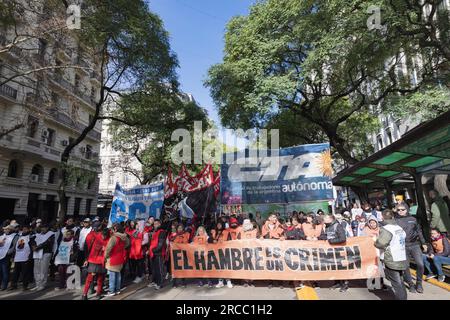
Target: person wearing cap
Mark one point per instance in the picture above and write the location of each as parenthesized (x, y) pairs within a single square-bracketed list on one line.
[(95, 247), (82, 239), (23, 266), (8, 243), (42, 245)]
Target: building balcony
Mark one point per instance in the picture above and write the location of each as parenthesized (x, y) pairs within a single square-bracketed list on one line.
[(67, 121), (61, 82), (95, 77), (83, 97)]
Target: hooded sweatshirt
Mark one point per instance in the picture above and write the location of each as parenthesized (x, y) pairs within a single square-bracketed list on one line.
[(116, 251)]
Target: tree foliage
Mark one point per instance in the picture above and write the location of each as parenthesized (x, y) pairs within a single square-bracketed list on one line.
[(319, 61)]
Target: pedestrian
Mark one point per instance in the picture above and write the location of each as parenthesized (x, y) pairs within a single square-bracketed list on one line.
[(8, 243), (312, 227), (217, 233), (293, 232), (335, 234), (272, 229), (85, 230), (182, 237), (116, 257), (438, 253), (344, 223), (136, 255), (356, 211), (22, 260), (201, 238), (259, 220), (95, 249), (65, 255), (42, 245), (391, 243), (440, 218), (371, 229), (157, 251), (414, 244)]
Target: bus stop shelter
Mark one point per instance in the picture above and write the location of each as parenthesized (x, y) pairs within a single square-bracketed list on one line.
[(424, 149)]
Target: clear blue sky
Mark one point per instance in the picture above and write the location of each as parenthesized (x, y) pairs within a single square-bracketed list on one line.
[(197, 29)]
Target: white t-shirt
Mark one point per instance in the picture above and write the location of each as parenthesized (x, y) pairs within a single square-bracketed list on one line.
[(356, 212)]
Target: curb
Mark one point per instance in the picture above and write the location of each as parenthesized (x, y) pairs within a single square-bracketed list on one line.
[(435, 282)]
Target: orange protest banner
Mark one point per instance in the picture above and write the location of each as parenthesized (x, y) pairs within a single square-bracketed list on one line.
[(259, 259)]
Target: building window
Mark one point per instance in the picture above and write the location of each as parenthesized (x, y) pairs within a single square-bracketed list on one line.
[(110, 180), (52, 176), (76, 209), (88, 206), (75, 112), (32, 126), (37, 173), (50, 137), (380, 142), (14, 169), (90, 184), (389, 135), (88, 154)]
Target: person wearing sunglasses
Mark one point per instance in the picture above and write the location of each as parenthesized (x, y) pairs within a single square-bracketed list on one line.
[(414, 243)]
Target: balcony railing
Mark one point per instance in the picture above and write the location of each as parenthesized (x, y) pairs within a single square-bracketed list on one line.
[(57, 77), (8, 92), (66, 120)]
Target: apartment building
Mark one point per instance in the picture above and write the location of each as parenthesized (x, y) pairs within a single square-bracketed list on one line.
[(123, 168), (49, 108)]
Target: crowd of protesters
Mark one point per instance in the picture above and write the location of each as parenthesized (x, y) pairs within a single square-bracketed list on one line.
[(36, 251)]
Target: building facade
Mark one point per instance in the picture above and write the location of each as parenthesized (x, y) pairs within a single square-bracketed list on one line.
[(49, 108)]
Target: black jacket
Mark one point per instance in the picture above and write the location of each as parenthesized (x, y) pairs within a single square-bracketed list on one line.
[(335, 233), (161, 241), (47, 246), (295, 234), (412, 229)]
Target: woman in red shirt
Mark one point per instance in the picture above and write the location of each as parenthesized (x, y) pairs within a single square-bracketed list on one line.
[(96, 242)]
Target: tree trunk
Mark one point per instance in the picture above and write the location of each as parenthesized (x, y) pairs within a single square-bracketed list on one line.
[(338, 143), (62, 190)]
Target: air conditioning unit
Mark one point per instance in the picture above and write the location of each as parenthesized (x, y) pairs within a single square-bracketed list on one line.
[(64, 143), (44, 136), (34, 178)]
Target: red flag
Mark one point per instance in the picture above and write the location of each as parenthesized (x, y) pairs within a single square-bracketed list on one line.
[(217, 184), (170, 187), (204, 179)]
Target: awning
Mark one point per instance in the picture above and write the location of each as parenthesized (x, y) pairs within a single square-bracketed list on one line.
[(424, 149)]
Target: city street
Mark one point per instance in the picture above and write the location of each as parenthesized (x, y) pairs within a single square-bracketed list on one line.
[(357, 291)]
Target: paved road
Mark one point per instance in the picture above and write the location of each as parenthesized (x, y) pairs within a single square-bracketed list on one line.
[(357, 291)]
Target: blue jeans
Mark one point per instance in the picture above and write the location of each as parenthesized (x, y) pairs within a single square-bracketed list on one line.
[(438, 261), (4, 272), (114, 281)]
